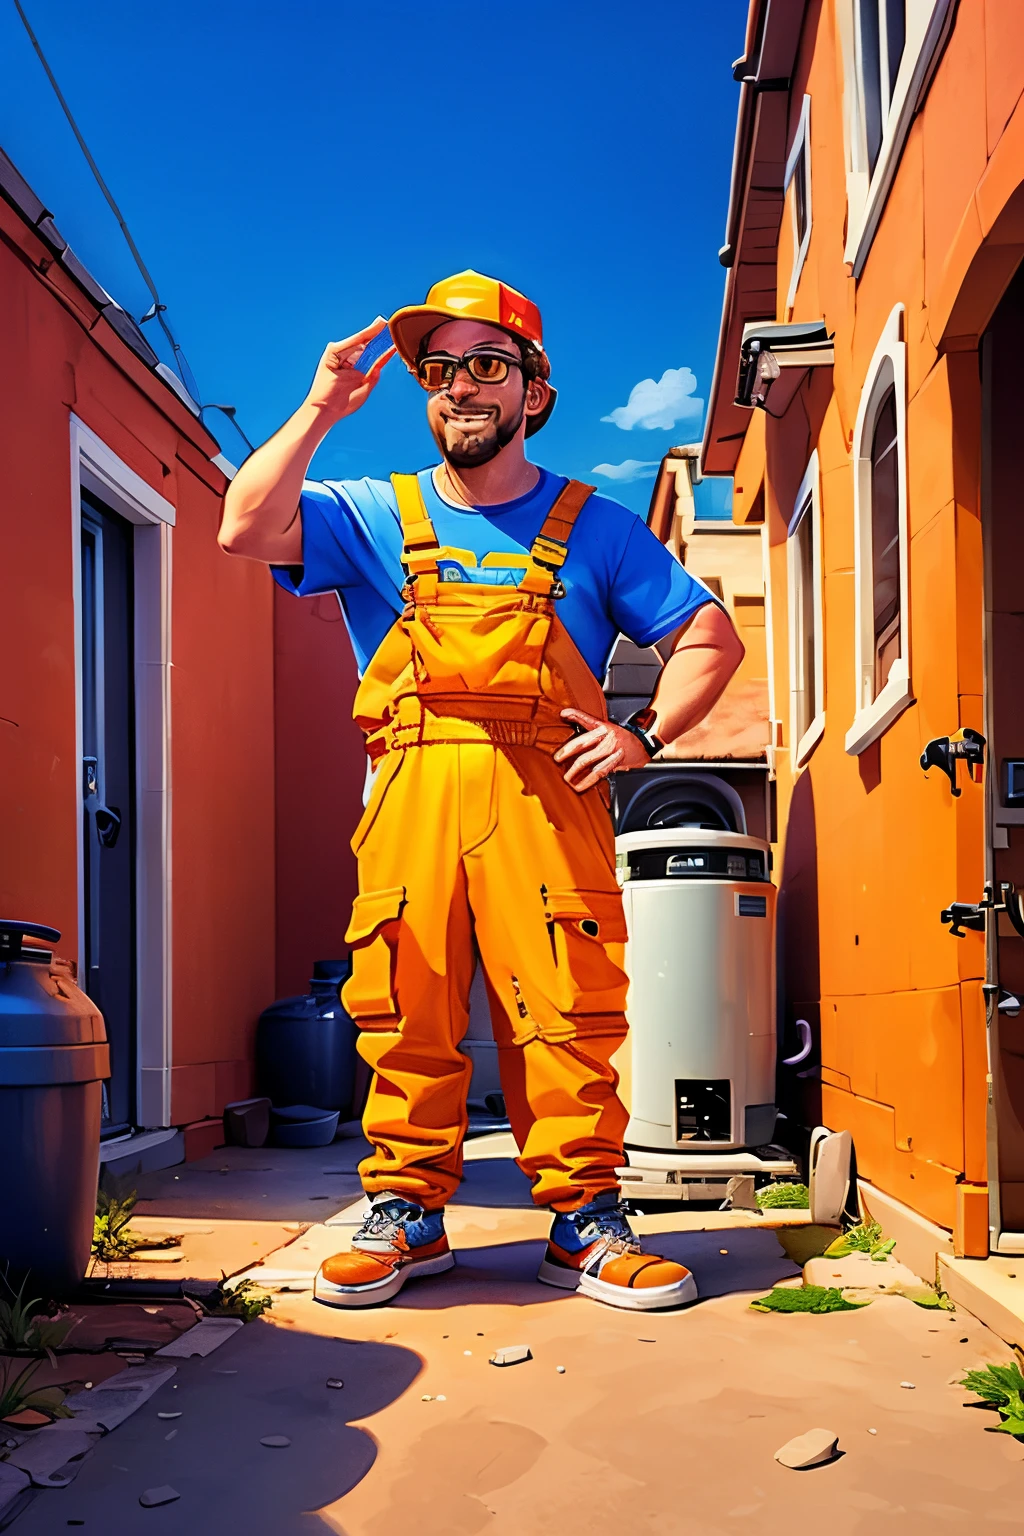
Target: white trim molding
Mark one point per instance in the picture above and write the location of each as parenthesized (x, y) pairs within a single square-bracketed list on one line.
[(928, 25), (798, 173), (97, 469), (806, 513), (876, 712)]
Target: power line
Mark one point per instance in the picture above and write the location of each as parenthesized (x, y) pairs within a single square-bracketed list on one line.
[(157, 309)]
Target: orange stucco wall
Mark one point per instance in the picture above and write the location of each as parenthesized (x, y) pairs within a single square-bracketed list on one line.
[(871, 849), (222, 740)]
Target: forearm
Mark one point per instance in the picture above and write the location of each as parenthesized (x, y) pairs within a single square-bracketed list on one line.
[(695, 676), (261, 508)]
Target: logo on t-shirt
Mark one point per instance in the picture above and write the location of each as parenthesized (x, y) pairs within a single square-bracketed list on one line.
[(502, 568)]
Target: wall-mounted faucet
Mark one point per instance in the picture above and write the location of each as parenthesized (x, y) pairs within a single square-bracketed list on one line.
[(944, 751), (961, 915)]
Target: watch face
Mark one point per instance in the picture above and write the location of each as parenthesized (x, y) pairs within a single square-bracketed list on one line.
[(645, 718)]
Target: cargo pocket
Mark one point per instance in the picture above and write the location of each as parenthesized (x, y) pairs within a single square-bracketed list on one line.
[(587, 930), (369, 994)]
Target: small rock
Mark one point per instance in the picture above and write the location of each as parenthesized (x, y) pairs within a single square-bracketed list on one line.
[(335, 1381), (467, 1351), (812, 1449), (723, 1250), (175, 1415), (511, 1354), (154, 1496), (426, 1398), (908, 1385), (275, 1442), (560, 1369), (872, 1431), (171, 1435), (441, 1398)]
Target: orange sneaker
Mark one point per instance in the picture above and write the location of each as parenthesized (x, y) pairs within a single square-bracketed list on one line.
[(398, 1241), (594, 1251)]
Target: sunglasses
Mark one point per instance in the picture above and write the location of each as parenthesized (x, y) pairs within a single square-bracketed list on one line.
[(438, 369)]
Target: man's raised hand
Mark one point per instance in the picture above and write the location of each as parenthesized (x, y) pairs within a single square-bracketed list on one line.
[(338, 387)]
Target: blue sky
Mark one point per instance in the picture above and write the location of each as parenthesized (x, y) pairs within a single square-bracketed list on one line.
[(290, 171)]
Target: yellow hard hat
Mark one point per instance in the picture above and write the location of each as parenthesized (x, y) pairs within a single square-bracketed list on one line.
[(471, 295)]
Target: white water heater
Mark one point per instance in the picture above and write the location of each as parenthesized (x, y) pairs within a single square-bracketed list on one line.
[(700, 915)]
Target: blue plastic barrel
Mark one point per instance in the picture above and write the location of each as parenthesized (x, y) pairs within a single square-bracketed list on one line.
[(306, 1046)]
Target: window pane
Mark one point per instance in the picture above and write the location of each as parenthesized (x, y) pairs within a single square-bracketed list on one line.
[(871, 78), (885, 539), (800, 196), (895, 37)]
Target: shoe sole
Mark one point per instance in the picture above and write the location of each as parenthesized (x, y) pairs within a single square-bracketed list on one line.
[(652, 1298), (331, 1295)]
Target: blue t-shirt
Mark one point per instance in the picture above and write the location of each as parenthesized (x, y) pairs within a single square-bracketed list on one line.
[(618, 577)]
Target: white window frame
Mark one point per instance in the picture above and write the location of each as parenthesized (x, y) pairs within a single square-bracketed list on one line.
[(807, 505), (928, 25), (799, 163), (96, 468), (875, 714)]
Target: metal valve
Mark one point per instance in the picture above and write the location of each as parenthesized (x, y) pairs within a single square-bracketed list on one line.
[(961, 915)]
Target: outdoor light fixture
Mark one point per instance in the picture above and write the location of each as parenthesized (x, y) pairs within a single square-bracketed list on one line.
[(767, 350)]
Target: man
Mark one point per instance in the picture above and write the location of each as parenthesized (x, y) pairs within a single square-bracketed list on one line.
[(483, 598)]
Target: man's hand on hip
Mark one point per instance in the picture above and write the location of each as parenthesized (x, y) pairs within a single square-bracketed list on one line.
[(604, 748)]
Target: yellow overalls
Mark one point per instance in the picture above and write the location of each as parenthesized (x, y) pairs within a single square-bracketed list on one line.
[(472, 840)]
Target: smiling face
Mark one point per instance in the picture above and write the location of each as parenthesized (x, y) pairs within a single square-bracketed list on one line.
[(472, 422)]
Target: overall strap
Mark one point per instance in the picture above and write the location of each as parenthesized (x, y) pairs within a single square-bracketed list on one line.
[(420, 546), (551, 546)]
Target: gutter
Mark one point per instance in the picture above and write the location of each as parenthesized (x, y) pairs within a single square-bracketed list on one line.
[(773, 34), (16, 192)]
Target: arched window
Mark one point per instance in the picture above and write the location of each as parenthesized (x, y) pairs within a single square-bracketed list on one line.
[(885, 538), (881, 553)]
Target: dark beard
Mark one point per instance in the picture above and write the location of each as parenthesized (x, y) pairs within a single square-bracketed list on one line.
[(483, 449)]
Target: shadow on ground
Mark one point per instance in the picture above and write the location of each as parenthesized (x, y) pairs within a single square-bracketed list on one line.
[(265, 1381), (505, 1274)]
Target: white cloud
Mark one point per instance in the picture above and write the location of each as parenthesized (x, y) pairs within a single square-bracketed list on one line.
[(663, 404), (628, 470)]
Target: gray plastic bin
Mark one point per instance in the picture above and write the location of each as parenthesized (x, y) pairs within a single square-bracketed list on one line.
[(53, 1060)]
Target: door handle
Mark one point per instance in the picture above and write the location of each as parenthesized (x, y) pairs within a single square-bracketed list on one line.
[(108, 825)]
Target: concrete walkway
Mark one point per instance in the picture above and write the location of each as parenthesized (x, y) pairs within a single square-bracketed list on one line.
[(660, 1423)]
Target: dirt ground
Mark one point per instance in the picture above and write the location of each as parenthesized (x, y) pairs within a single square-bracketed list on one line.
[(661, 1423)]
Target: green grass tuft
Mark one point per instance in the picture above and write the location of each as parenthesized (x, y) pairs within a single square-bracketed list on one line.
[(805, 1298)]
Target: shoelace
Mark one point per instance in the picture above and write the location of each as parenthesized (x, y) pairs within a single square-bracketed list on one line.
[(381, 1222), (613, 1235)]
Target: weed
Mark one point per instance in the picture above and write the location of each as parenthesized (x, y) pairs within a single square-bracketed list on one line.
[(239, 1298), (805, 1298), (17, 1394), (112, 1236), (783, 1197), (1000, 1387), (23, 1331), (864, 1238)]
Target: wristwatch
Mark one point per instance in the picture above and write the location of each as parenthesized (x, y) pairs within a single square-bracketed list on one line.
[(641, 724)]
